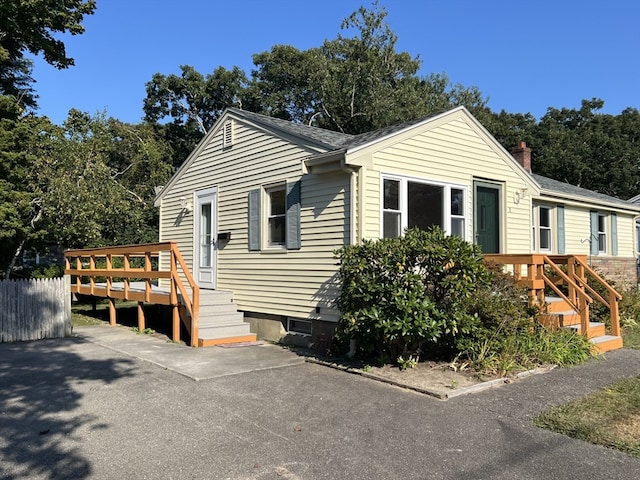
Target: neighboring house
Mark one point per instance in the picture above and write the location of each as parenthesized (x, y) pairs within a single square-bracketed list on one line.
[(261, 204)]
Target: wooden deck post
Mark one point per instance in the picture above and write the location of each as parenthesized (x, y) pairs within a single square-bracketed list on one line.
[(176, 324), (112, 311), (615, 314), (141, 319)]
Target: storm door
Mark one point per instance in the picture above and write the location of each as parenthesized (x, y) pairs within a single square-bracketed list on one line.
[(205, 237)]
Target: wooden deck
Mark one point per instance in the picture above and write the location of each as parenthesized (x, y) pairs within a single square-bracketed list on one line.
[(132, 272)]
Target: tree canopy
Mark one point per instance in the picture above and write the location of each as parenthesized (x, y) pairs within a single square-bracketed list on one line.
[(31, 26), (91, 181)]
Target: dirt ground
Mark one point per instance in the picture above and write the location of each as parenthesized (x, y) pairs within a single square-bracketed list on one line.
[(433, 378)]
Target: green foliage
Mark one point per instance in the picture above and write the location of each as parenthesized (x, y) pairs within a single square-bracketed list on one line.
[(608, 417), (354, 83), (35, 26), (45, 271), (401, 296), (505, 336), (193, 101)]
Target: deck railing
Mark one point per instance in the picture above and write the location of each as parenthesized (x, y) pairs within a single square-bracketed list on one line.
[(132, 272), (532, 271)]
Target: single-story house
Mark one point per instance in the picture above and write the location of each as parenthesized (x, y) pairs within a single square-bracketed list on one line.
[(261, 204)]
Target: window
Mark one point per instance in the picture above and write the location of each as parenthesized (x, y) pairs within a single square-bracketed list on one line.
[(542, 217), (602, 233), (296, 325), (413, 203), (276, 216), (391, 209)]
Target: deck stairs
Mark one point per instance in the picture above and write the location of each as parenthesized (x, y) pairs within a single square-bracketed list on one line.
[(559, 314), (219, 320)]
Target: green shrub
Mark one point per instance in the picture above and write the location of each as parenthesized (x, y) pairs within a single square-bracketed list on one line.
[(401, 296)]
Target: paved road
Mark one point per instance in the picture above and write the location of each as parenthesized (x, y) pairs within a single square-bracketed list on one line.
[(73, 409)]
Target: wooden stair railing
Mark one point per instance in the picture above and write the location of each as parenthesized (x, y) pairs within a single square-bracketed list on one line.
[(581, 268), (178, 297), (577, 299), (580, 294)]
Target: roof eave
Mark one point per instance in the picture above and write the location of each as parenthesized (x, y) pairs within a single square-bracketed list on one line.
[(580, 200)]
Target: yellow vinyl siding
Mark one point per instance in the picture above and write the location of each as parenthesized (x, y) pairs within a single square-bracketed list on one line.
[(451, 152), (290, 283), (578, 231), (626, 235)]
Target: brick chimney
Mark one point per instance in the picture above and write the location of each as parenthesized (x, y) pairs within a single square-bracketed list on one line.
[(522, 154)]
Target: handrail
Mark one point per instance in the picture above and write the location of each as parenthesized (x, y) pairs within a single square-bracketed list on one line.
[(582, 307), (194, 304), (614, 296), (148, 252), (581, 294)]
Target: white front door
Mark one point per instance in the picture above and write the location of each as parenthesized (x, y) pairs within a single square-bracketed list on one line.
[(205, 237)]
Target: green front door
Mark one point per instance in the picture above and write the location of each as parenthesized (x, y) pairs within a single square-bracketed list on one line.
[(487, 217)]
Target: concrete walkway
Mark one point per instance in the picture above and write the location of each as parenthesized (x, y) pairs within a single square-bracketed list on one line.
[(194, 363), (88, 407)]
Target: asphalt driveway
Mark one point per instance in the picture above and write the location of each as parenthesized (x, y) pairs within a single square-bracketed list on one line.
[(72, 409)]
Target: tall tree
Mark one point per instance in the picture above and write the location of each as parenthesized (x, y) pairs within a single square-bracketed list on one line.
[(96, 179), (593, 150), (354, 83), (32, 26), (193, 102)]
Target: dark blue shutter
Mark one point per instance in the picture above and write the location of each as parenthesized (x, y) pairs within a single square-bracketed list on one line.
[(593, 239), (560, 221), (254, 220), (614, 233), (293, 216)]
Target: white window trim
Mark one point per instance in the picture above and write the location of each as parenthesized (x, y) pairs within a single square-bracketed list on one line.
[(604, 232), (537, 228), (267, 190), (404, 201)]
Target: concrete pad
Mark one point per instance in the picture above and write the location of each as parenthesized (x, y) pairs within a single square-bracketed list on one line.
[(194, 363)]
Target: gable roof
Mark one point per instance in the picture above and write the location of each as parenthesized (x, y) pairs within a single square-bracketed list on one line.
[(561, 189), (325, 138)]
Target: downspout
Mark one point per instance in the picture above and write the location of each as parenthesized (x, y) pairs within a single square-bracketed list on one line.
[(353, 204)]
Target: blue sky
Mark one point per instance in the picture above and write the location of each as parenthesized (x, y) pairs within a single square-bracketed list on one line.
[(525, 55)]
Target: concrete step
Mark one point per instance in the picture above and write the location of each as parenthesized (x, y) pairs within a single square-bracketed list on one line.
[(221, 319), (213, 297), (220, 335), (596, 329), (206, 310), (606, 343)]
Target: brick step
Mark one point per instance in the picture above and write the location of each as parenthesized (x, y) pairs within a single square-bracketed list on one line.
[(606, 343)]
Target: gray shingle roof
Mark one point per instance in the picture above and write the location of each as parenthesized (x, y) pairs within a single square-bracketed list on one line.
[(327, 138), (564, 189), (339, 141)]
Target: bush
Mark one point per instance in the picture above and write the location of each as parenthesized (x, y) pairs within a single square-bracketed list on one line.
[(507, 337), (404, 295)]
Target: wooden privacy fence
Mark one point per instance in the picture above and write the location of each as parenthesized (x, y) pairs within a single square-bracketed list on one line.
[(35, 309)]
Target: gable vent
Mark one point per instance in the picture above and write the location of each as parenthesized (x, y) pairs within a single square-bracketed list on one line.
[(227, 134)]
